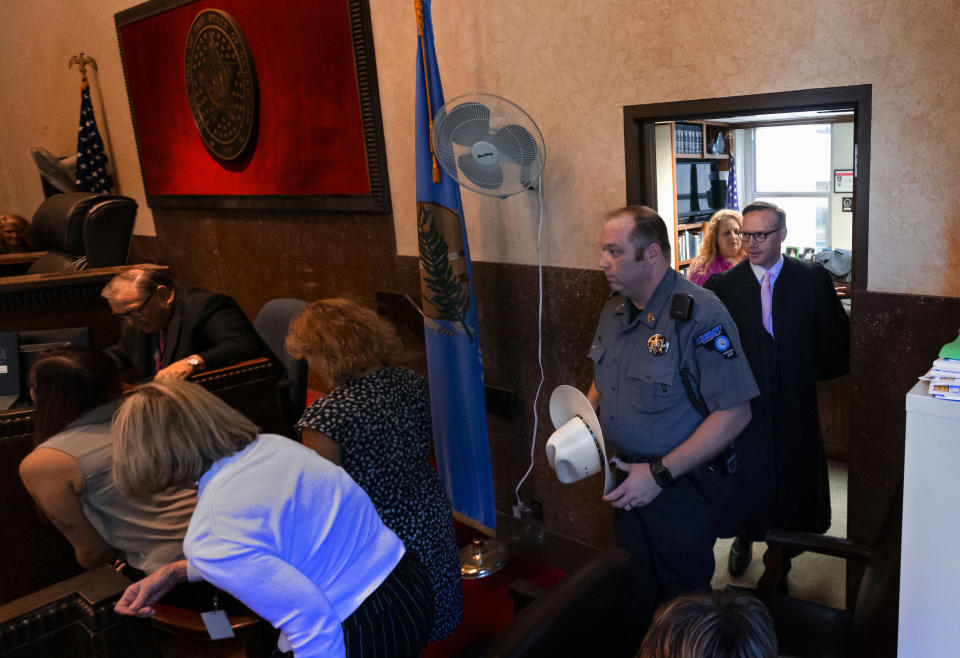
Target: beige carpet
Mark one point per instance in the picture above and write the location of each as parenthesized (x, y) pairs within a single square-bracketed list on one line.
[(818, 578)]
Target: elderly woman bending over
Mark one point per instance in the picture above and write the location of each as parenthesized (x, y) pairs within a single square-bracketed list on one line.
[(283, 530)]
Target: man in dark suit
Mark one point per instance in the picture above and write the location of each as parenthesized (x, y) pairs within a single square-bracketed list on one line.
[(174, 332), (794, 332)]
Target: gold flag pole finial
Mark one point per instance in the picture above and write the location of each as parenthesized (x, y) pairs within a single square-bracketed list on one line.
[(82, 61), (418, 7)]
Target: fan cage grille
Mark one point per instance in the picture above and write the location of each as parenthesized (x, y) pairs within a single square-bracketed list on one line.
[(467, 119)]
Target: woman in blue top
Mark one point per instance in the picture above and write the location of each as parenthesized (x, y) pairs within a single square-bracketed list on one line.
[(286, 532)]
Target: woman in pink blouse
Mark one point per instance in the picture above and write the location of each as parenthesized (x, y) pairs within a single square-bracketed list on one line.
[(721, 249)]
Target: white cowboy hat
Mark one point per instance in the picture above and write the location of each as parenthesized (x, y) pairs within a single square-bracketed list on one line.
[(576, 450)]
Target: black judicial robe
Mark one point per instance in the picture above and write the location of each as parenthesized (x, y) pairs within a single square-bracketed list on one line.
[(781, 480)]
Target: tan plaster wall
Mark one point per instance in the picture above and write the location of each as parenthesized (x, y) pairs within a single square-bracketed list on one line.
[(41, 96), (573, 65)]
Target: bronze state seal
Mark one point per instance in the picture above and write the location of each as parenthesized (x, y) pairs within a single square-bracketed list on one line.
[(221, 83)]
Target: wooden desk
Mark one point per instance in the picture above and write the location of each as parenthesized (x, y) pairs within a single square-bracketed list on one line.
[(73, 618), (17, 264)]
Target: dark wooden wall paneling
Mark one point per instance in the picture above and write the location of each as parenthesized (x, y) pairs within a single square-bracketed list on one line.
[(895, 339)]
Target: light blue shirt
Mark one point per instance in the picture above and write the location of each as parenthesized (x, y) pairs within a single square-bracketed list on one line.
[(292, 536), (774, 273)]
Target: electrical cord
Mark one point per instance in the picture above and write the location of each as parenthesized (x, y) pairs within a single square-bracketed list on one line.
[(520, 506)]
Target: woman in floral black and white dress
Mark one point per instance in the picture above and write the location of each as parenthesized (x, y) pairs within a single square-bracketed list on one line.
[(375, 423)]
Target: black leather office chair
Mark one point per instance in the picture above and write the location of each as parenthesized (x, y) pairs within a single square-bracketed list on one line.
[(272, 324), (81, 230), (810, 630)]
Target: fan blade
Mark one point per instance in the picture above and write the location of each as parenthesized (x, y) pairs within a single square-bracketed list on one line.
[(516, 144), (489, 178), (467, 123)]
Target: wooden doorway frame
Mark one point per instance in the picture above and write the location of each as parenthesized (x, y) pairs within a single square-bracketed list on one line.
[(638, 133)]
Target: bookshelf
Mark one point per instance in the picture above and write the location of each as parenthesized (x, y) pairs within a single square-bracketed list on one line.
[(691, 141)]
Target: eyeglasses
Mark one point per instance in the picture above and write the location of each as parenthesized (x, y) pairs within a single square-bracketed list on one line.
[(759, 236), (138, 311)]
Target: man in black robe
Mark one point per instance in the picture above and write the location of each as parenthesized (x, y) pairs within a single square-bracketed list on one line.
[(794, 332)]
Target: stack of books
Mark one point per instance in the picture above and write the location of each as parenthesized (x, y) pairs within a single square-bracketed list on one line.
[(944, 379), (688, 139)]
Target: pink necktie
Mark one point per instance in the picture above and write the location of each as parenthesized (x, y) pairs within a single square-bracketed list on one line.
[(161, 344), (766, 303)]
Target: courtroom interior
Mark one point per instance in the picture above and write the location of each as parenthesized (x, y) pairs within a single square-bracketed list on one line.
[(275, 202)]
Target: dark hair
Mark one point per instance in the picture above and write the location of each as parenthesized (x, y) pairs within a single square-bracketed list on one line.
[(720, 624), (648, 228), (68, 382), (759, 206)]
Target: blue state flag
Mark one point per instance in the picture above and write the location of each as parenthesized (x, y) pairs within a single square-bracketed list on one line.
[(455, 371)]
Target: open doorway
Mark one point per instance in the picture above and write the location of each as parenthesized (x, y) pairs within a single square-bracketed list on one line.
[(831, 218)]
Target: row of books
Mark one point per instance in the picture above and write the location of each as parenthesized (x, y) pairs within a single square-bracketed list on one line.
[(688, 244), (944, 379), (688, 139)]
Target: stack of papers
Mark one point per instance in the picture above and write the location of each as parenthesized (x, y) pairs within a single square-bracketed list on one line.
[(944, 379)]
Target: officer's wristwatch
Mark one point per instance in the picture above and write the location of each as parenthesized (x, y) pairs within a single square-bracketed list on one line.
[(661, 474)]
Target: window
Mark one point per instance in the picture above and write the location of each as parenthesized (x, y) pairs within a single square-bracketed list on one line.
[(790, 166)]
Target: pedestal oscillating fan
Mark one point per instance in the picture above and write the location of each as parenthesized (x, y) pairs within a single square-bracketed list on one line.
[(491, 146)]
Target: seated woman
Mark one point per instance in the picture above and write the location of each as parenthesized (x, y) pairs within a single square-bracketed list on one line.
[(721, 248), (69, 473), (283, 530), (14, 232), (375, 421)]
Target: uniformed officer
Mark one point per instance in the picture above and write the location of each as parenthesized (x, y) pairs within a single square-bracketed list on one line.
[(645, 360)]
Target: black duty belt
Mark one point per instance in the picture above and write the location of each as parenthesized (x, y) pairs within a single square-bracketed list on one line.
[(635, 459)]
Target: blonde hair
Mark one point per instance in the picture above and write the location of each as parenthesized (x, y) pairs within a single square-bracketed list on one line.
[(22, 222), (347, 339), (716, 625), (710, 249), (169, 432)]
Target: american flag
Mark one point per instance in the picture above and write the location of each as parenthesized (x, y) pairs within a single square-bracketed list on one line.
[(733, 198), (92, 173)]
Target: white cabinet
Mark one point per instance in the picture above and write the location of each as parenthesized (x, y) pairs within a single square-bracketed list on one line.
[(930, 553)]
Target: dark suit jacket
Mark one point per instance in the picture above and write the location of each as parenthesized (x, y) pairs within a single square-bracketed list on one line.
[(782, 480), (204, 323)]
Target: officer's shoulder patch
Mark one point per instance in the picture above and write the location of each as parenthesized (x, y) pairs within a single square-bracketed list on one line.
[(709, 336), (719, 340)]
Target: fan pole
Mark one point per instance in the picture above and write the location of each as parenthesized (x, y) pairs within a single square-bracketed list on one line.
[(426, 84)]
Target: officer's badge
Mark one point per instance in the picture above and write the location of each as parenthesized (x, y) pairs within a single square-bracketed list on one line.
[(657, 345)]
